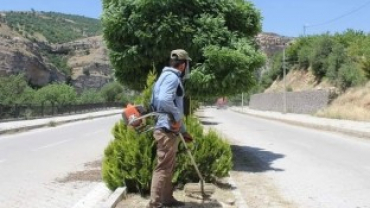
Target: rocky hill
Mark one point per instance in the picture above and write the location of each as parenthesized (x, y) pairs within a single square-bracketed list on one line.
[(81, 61), (54, 47), (270, 43)]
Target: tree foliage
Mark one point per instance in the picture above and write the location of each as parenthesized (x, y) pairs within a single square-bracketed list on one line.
[(55, 27), (141, 33), (58, 94), (14, 90), (342, 58), (112, 92), (90, 96)]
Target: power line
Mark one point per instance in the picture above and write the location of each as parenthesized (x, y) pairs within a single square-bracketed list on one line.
[(340, 17)]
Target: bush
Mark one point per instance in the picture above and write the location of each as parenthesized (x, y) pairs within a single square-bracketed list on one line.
[(57, 93), (130, 158), (111, 92), (350, 75), (322, 47), (90, 96)]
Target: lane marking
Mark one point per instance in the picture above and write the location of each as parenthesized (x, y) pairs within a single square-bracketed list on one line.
[(95, 132), (51, 145)]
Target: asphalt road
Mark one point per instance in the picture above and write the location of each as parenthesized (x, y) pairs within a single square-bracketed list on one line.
[(310, 168), (31, 163)]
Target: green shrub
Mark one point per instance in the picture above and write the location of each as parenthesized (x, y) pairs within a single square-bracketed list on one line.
[(321, 50), (365, 66), (90, 96), (130, 158), (111, 91), (350, 75)]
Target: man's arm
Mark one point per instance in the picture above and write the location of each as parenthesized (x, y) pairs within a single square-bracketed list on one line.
[(167, 94)]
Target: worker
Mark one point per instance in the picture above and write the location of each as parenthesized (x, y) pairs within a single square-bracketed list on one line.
[(168, 98)]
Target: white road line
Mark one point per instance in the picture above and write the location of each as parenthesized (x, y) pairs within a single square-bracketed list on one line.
[(51, 145), (95, 132)]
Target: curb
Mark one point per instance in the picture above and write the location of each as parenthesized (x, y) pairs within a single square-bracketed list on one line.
[(361, 134), (47, 124), (239, 201), (94, 197), (115, 198)]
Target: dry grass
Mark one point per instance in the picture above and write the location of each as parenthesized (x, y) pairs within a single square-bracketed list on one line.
[(299, 80), (354, 104)]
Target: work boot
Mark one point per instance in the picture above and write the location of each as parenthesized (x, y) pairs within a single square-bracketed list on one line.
[(173, 203)]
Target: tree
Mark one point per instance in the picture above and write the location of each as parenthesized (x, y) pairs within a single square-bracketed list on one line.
[(112, 92), (90, 96), (12, 89), (60, 94), (218, 34)]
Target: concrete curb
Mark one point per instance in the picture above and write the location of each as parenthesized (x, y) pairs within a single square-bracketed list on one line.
[(94, 198), (349, 132), (48, 124), (115, 198), (239, 201)]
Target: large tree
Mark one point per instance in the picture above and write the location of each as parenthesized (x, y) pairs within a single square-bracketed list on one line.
[(218, 34)]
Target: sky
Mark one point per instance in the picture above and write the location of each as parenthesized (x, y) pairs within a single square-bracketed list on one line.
[(285, 17)]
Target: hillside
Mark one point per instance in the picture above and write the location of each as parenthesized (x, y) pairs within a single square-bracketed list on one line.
[(51, 26), (338, 61), (53, 47)]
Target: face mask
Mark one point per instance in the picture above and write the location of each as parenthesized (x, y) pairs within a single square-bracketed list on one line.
[(186, 73)]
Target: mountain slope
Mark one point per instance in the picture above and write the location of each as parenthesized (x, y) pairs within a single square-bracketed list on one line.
[(52, 47), (51, 26)]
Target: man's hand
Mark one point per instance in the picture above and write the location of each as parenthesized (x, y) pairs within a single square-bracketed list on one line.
[(187, 137), (175, 126)]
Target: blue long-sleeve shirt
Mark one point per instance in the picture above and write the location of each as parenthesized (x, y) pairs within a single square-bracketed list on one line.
[(168, 97)]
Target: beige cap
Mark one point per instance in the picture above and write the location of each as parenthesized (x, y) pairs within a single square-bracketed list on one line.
[(180, 54)]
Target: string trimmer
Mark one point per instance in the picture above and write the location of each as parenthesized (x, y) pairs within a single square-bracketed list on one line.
[(135, 117)]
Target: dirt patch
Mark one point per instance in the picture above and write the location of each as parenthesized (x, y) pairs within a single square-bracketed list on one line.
[(91, 174), (95, 164), (222, 198)]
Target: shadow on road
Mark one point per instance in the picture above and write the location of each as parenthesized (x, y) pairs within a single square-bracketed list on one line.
[(204, 205), (252, 159), (204, 117), (209, 123)]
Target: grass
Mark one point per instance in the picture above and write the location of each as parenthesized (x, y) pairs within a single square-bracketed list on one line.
[(354, 104), (52, 124)]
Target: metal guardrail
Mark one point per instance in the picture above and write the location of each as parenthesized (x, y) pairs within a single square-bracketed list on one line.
[(19, 112)]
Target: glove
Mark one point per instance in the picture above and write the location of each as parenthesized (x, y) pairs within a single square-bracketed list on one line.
[(175, 126), (187, 137)]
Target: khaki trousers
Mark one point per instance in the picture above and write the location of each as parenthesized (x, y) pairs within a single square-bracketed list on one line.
[(161, 189)]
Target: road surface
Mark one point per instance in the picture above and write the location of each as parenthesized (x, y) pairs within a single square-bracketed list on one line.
[(32, 163), (306, 168)]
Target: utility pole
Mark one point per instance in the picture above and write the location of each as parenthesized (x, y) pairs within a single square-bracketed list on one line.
[(284, 96)]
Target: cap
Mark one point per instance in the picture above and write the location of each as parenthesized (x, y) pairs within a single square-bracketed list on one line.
[(180, 54)]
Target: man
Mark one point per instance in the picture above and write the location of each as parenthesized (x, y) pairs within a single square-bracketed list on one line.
[(168, 95)]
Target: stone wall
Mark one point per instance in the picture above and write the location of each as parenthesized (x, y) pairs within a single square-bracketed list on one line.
[(306, 102)]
